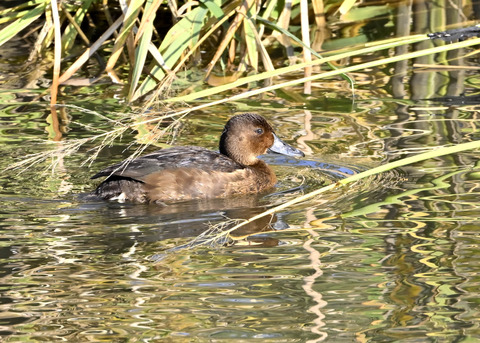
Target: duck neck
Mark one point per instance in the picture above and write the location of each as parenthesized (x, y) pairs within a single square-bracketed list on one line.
[(239, 156), (223, 144), (265, 174)]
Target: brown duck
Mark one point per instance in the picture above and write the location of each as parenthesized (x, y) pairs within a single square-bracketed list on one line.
[(189, 172)]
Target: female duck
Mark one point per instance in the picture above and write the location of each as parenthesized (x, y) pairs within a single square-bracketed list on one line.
[(186, 173)]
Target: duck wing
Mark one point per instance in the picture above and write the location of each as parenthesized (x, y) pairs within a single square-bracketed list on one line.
[(171, 158)]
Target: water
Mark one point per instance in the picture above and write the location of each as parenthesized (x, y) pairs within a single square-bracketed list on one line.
[(397, 263), (390, 259)]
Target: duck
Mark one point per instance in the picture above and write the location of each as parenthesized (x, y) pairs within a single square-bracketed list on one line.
[(185, 173)]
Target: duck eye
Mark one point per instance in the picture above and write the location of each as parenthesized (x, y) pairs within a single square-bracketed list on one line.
[(259, 131)]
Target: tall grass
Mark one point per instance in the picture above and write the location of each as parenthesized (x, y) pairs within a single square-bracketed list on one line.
[(230, 37), (239, 35)]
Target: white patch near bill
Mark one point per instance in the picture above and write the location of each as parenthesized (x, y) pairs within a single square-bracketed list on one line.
[(120, 198)]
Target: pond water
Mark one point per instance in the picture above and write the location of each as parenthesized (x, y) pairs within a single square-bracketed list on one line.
[(390, 259)]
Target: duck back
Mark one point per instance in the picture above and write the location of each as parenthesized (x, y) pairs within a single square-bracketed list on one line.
[(172, 174)]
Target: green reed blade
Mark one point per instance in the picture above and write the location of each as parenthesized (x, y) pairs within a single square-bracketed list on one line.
[(70, 32), (141, 51), (18, 25), (15, 9)]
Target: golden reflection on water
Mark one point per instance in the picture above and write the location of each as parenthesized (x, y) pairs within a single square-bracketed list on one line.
[(314, 256), (391, 258), (357, 263)]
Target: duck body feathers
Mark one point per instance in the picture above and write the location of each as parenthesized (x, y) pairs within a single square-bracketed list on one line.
[(171, 158), (182, 173), (189, 172)]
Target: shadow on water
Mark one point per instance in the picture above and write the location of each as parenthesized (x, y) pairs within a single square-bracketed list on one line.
[(334, 171), (178, 220)]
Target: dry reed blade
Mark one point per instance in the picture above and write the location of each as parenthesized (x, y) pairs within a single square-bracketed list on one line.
[(148, 17), (90, 51), (58, 54), (284, 23), (143, 46), (266, 60), (241, 14), (129, 17), (73, 29)]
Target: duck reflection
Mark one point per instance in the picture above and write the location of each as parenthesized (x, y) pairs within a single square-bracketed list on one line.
[(188, 219)]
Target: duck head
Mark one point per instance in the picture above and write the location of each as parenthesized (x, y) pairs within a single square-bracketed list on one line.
[(249, 135)]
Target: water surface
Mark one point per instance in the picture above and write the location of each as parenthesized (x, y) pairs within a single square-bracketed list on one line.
[(390, 259)]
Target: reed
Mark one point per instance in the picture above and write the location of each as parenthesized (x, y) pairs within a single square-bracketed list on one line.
[(243, 32), (214, 236)]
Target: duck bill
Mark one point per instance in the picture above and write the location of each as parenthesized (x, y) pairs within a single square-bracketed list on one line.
[(280, 147)]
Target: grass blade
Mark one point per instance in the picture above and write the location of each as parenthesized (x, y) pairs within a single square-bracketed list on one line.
[(13, 10), (175, 43), (346, 6), (266, 60), (131, 16), (213, 28), (249, 31), (12, 16), (141, 51), (18, 25), (70, 32), (242, 12), (148, 17), (90, 51)]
